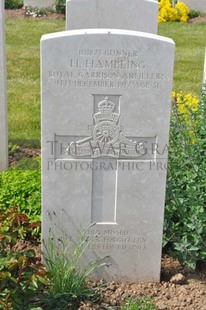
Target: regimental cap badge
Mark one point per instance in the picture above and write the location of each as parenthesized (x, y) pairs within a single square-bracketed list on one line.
[(106, 105), (105, 113)]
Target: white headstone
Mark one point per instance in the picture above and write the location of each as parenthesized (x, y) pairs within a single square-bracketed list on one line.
[(105, 123), (39, 3), (197, 5), (138, 15), (204, 71), (3, 96)]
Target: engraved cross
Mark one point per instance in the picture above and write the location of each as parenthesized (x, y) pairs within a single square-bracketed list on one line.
[(107, 147)]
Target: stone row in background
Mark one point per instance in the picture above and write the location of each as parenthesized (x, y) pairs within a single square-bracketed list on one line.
[(3, 95), (198, 5), (39, 3), (134, 15)]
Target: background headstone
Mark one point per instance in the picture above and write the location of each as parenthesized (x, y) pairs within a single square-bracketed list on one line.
[(106, 99), (138, 15), (197, 5), (204, 70), (3, 95), (39, 3)]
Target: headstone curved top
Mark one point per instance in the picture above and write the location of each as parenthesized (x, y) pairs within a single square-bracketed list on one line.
[(137, 15), (3, 95), (197, 5), (39, 3)]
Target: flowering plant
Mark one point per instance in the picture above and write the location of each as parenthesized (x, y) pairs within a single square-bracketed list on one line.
[(185, 211), (169, 13)]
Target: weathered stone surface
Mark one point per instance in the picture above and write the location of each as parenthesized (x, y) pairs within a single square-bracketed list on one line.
[(105, 123), (3, 96), (204, 70), (138, 15), (39, 3), (197, 5)]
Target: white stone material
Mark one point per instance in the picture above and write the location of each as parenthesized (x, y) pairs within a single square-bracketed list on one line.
[(39, 3), (3, 95), (197, 5), (138, 15), (204, 70), (105, 123)]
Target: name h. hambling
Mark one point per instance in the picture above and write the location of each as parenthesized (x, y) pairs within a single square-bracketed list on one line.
[(106, 64)]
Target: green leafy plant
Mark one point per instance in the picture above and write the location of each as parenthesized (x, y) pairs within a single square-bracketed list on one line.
[(144, 303), (28, 164), (185, 212), (67, 275), (21, 272), (193, 14), (61, 6), (13, 4), (13, 148), (22, 188)]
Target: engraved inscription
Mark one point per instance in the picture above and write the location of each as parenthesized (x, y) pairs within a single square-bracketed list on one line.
[(98, 68), (117, 239), (116, 53)]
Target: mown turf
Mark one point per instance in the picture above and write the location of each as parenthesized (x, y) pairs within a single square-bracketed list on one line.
[(190, 40), (23, 73)]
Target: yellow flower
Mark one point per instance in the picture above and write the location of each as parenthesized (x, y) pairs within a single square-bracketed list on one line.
[(168, 13), (186, 105), (183, 11)]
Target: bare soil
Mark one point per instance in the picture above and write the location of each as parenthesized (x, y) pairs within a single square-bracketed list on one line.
[(24, 13), (21, 153), (198, 20), (179, 289)]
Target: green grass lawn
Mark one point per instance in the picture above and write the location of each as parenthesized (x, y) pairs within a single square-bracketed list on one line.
[(190, 40), (23, 73), (23, 69)]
